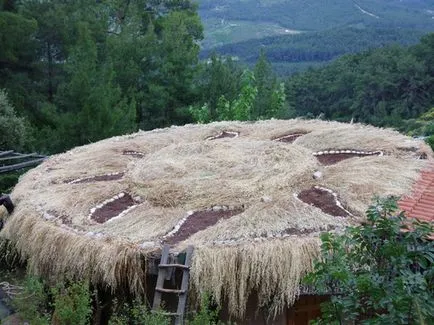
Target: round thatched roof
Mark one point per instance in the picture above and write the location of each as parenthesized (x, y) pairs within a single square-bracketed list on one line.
[(251, 197)]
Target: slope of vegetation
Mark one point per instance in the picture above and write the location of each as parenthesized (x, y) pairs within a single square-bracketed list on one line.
[(384, 87), (290, 53), (77, 72), (311, 15), (80, 71)]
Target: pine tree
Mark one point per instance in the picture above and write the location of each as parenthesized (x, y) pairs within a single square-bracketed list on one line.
[(93, 104)]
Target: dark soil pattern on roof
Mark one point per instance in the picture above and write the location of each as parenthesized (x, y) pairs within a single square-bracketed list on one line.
[(198, 221), (330, 159), (323, 200), (289, 138), (224, 134), (112, 209)]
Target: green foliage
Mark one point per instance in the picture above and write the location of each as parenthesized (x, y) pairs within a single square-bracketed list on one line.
[(15, 42), (93, 104), (295, 53), (422, 126), (85, 70), (201, 114), (430, 141), (240, 108), (380, 87), (13, 129), (67, 303), (8, 180), (31, 303), (278, 102), (72, 304), (137, 313), (312, 15), (271, 98), (381, 272), (208, 313), (251, 95), (219, 76)]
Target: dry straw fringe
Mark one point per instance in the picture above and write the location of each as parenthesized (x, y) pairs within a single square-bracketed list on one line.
[(8, 253), (61, 254), (273, 269)]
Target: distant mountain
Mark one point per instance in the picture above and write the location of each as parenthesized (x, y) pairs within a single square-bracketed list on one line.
[(300, 33), (229, 21), (289, 54)]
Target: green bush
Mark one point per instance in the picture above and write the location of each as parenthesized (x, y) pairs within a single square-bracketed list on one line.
[(200, 114), (68, 303), (430, 141), (13, 129), (9, 180), (381, 272), (72, 304), (208, 313), (139, 313), (32, 302), (136, 314)]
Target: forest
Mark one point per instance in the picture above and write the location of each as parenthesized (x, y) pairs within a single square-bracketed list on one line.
[(236, 21), (312, 15), (75, 72), (292, 53)]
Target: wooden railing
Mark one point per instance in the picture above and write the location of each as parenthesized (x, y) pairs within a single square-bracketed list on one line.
[(11, 161)]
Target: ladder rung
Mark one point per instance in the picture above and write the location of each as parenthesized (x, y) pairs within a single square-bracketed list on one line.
[(181, 266), (170, 290)]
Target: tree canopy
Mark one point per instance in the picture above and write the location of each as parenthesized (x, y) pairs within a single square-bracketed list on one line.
[(84, 70)]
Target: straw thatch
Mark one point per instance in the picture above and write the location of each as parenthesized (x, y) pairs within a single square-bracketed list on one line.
[(170, 173)]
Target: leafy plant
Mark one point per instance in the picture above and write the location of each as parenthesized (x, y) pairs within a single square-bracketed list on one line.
[(72, 304), (208, 313), (239, 109), (200, 114), (137, 313), (381, 272), (31, 303), (13, 129), (430, 141)]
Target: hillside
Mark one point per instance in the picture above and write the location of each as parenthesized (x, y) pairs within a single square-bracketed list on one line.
[(289, 54), (297, 34), (229, 21)]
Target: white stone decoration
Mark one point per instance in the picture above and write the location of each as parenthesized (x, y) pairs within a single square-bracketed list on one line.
[(355, 152), (78, 180)]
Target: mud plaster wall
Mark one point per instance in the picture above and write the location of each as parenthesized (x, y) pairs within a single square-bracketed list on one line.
[(253, 317)]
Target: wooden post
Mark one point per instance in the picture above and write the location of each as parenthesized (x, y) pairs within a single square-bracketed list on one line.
[(184, 287), (160, 279)]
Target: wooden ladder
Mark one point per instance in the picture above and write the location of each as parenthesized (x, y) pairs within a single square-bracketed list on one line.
[(164, 273)]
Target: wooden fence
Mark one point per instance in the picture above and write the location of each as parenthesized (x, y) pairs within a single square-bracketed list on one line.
[(11, 161)]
